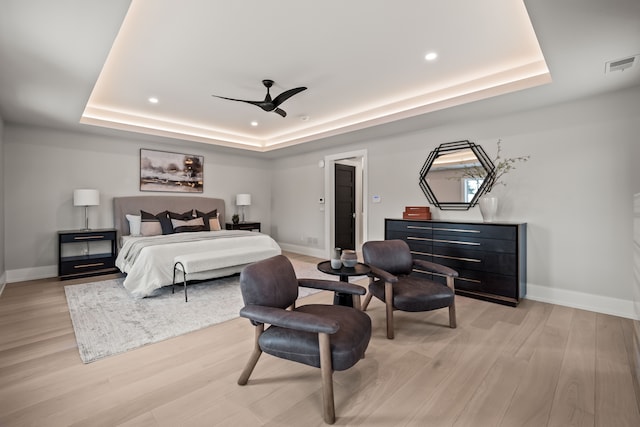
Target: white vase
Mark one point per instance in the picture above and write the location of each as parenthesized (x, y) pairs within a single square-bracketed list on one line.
[(488, 208), (336, 263)]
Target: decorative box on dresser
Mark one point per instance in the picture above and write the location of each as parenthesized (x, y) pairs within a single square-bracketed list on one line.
[(490, 258)]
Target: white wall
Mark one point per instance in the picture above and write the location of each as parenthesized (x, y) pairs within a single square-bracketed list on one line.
[(3, 276), (44, 166), (575, 192)]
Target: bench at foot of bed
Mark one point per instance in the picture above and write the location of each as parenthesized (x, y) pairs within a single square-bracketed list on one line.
[(211, 261)]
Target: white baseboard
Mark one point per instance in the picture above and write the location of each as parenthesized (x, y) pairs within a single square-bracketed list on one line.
[(3, 281), (583, 301), (303, 250), (35, 273)]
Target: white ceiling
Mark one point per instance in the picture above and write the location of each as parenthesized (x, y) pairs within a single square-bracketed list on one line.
[(98, 62)]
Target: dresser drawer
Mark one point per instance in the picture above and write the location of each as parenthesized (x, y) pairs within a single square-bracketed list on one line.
[(490, 262), (86, 264), (87, 237), (474, 243), (487, 283), (475, 230), (420, 227), (483, 283)]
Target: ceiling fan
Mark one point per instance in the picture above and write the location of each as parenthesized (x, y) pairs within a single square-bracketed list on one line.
[(270, 104)]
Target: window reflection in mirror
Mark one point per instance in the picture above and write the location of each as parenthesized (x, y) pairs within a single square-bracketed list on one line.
[(470, 188), (447, 177)]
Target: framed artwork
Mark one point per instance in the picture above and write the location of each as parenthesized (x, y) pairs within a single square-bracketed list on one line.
[(174, 172)]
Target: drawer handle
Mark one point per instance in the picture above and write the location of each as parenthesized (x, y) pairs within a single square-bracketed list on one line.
[(95, 264), (446, 256), (421, 253), (457, 242), (444, 275), (458, 230), (87, 237), (458, 258), (468, 280), (416, 227), (419, 238)]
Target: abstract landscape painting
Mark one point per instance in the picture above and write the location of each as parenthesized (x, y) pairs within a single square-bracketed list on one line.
[(175, 172)]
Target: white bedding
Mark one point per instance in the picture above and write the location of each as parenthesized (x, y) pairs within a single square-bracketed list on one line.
[(148, 261)]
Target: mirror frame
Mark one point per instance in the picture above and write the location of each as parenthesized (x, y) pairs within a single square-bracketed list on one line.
[(447, 148)]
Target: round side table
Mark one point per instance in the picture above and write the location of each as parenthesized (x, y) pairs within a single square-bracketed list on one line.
[(359, 269)]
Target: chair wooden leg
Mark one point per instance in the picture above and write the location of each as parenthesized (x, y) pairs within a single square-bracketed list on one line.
[(452, 308), (326, 369), (367, 300), (452, 315), (388, 301), (356, 302), (253, 360)]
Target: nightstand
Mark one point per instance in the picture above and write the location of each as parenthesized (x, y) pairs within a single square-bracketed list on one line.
[(250, 226), (84, 253)]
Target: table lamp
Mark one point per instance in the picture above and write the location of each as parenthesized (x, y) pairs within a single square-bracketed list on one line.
[(86, 197), (243, 200)]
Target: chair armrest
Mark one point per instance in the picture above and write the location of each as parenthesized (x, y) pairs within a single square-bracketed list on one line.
[(290, 319), (332, 285), (382, 274), (435, 268)]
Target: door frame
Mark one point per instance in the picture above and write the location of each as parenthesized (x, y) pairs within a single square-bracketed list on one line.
[(356, 158)]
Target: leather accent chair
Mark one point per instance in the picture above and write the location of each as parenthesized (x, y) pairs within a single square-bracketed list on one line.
[(329, 337), (392, 282)]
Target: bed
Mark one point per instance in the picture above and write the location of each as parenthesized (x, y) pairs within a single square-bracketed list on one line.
[(148, 260)]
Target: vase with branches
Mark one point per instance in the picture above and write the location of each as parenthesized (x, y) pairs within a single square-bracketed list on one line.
[(502, 166)]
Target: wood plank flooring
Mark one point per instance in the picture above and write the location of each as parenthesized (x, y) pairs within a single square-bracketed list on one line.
[(534, 365)]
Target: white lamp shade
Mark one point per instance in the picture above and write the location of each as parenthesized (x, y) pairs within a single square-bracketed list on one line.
[(86, 197), (243, 200)]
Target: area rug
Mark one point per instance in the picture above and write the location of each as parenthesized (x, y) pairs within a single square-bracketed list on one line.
[(107, 320)]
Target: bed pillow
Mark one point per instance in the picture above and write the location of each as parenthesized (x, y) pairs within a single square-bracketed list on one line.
[(166, 217), (150, 223), (184, 226), (211, 220), (182, 216), (134, 224)]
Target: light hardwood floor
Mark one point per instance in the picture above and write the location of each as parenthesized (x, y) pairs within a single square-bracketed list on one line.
[(534, 365)]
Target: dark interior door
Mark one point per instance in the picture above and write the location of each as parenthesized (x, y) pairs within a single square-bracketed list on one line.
[(345, 202)]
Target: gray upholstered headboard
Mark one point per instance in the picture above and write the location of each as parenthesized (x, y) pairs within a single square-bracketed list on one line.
[(155, 204)]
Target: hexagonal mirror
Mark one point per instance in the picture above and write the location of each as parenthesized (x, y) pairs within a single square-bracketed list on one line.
[(456, 175)]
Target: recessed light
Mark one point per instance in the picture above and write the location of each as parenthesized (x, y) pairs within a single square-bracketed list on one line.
[(153, 100), (304, 118), (254, 123), (431, 56)]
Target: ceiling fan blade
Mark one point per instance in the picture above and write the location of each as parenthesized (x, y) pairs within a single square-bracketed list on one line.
[(280, 111), (286, 95), (239, 100)]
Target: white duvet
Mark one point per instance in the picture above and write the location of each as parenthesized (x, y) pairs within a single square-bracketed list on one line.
[(148, 261)]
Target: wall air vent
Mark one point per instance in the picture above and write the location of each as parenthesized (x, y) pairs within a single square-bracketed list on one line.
[(621, 64)]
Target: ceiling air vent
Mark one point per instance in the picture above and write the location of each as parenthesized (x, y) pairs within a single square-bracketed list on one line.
[(621, 64)]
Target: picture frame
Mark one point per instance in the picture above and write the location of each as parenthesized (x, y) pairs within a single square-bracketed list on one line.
[(166, 171)]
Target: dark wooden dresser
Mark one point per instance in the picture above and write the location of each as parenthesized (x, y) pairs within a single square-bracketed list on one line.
[(490, 258)]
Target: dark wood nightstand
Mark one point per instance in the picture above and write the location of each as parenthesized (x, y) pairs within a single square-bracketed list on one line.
[(75, 253), (250, 226)]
